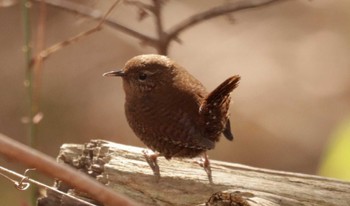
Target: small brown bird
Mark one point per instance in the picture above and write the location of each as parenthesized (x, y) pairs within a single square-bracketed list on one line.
[(171, 111)]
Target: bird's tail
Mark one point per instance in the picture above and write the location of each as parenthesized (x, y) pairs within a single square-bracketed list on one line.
[(215, 108), (219, 95)]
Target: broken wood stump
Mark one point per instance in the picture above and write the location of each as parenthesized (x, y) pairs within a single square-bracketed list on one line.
[(183, 182)]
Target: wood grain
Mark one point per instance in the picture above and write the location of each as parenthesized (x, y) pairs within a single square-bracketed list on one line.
[(184, 182)]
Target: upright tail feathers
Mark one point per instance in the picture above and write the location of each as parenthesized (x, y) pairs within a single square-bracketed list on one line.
[(219, 95), (215, 108)]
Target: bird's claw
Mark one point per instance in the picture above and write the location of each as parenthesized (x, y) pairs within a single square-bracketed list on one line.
[(151, 159), (205, 163)]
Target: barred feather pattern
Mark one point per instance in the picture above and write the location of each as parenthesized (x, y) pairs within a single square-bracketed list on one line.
[(170, 110)]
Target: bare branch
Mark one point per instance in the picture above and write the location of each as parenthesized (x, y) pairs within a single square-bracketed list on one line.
[(42, 162), (163, 40), (145, 39), (107, 13), (139, 5), (45, 53), (37, 65), (95, 14), (159, 25), (215, 12)]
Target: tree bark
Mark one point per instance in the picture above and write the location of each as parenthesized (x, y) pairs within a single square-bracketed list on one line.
[(183, 182)]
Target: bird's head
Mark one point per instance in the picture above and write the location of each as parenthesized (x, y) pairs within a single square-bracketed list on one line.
[(145, 73)]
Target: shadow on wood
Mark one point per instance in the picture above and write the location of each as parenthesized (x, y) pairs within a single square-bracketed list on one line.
[(184, 182)]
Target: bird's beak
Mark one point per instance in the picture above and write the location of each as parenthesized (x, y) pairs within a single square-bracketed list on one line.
[(119, 73)]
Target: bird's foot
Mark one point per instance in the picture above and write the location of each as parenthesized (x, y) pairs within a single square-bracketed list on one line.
[(205, 163), (151, 158)]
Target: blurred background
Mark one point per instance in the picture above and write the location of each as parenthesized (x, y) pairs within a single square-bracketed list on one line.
[(290, 112)]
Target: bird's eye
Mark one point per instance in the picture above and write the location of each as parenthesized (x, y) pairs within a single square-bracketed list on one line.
[(142, 76)]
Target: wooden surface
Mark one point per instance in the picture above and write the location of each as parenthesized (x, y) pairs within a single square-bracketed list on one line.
[(184, 182)]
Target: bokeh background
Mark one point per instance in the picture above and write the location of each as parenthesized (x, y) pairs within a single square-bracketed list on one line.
[(291, 106)]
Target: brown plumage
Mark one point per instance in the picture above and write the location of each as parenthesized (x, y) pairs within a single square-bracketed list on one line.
[(171, 111)]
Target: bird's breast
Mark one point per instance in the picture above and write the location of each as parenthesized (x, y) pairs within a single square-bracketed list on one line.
[(160, 123)]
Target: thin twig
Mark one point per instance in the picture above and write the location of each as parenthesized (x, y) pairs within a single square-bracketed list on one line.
[(38, 62), (25, 184), (96, 14), (162, 42), (157, 10), (45, 53), (212, 13), (37, 72), (28, 82), (139, 5), (108, 12), (215, 12), (159, 26), (47, 165)]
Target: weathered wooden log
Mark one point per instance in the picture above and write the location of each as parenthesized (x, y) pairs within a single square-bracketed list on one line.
[(184, 182)]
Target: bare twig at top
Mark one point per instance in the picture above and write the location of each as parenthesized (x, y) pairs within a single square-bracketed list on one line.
[(96, 14), (45, 53), (164, 38), (215, 12)]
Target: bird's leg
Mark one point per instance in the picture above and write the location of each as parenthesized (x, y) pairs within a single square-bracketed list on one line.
[(151, 158), (204, 162)]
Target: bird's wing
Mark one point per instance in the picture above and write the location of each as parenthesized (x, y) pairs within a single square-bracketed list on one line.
[(186, 132)]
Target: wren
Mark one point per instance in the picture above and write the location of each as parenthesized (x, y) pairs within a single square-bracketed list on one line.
[(171, 111)]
